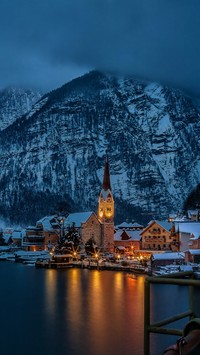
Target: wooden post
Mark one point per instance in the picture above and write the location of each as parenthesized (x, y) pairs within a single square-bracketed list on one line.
[(146, 317)]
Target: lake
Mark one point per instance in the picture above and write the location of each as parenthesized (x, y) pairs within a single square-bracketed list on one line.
[(80, 312)]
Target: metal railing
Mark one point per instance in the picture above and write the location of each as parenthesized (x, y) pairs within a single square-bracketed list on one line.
[(158, 327)]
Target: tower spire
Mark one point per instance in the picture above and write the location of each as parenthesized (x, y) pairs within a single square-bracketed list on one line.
[(106, 177)]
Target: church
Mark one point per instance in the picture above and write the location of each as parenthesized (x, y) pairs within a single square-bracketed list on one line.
[(98, 228)]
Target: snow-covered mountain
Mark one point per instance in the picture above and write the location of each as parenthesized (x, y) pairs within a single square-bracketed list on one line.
[(15, 102), (55, 154)]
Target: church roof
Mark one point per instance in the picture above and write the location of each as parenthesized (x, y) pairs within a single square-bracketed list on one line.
[(106, 178), (77, 218)]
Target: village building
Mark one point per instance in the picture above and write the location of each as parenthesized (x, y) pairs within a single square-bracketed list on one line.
[(44, 235), (193, 215), (87, 225), (7, 235), (192, 256), (17, 237), (157, 236), (163, 259), (97, 228), (127, 241), (188, 233), (129, 226), (106, 211)]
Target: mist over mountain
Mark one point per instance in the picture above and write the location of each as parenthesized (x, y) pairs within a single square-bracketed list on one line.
[(52, 158)]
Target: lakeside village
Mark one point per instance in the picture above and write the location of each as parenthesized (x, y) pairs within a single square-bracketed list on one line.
[(90, 240)]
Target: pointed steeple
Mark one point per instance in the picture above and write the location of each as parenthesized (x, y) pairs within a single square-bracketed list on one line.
[(106, 178)]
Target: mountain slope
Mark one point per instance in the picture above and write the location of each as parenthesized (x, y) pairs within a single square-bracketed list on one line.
[(15, 102), (56, 152)]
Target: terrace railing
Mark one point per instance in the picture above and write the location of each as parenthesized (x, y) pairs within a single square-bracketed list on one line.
[(159, 327)]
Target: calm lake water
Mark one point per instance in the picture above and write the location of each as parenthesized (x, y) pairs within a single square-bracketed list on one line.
[(79, 312)]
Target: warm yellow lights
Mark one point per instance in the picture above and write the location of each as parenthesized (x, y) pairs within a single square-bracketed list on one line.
[(108, 214)]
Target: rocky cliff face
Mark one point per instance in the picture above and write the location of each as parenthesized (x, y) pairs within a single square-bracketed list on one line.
[(55, 154), (14, 103)]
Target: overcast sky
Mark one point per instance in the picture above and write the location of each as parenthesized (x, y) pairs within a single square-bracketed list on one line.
[(45, 43)]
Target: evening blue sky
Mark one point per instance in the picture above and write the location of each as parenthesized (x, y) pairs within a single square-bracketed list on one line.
[(45, 43)]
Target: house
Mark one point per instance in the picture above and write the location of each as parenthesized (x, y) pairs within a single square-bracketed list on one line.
[(44, 235), (127, 240), (192, 256), (157, 236), (17, 236), (164, 259), (51, 228), (193, 215), (188, 234), (7, 235)]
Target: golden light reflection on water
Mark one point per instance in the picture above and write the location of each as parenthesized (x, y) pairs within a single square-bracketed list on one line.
[(93, 302), (51, 287), (74, 299)]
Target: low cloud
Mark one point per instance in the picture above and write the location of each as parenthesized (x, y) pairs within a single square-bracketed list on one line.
[(48, 43)]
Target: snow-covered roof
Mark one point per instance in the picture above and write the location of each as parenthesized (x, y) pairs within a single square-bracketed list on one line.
[(46, 222), (126, 225), (188, 227), (192, 213), (17, 235), (117, 235), (164, 224), (77, 218), (194, 251), (133, 235), (168, 256), (6, 237), (4, 248)]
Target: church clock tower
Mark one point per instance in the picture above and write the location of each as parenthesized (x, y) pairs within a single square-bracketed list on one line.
[(106, 210)]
